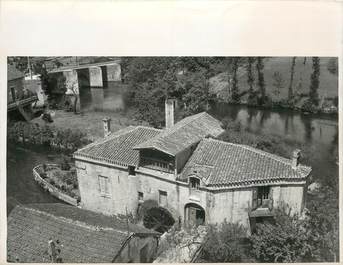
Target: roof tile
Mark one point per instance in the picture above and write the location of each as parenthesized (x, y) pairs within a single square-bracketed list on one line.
[(84, 236), (231, 164), (186, 132)]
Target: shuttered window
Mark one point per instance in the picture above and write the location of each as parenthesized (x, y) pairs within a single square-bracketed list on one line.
[(162, 198), (104, 186)]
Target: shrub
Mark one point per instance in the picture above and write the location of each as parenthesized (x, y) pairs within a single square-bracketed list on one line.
[(44, 167), (223, 243), (52, 182), (287, 240), (309, 106), (65, 163)]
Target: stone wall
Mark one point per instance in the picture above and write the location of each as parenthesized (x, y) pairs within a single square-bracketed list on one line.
[(232, 205), (113, 72)]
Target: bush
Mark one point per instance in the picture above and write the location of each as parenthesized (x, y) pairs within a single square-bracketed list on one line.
[(287, 240), (52, 182), (223, 243), (309, 106), (65, 163)]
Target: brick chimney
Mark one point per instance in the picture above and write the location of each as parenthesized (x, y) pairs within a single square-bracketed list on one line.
[(296, 158), (170, 104), (107, 126)]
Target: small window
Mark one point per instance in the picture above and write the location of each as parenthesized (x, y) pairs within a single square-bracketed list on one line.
[(162, 198), (132, 171), (140, 196), (194, 183), (263, 196), (104, 186)]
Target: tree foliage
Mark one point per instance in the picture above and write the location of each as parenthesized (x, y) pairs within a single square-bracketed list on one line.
[(250, 78), (290, 87), (223, 243), (234, 90), (260, 79), (314, 97), (285, 241)]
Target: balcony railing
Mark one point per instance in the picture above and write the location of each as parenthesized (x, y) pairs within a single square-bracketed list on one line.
[(157, 164), (22, 101)]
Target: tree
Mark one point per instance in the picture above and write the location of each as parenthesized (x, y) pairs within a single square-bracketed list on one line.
[(323, 221), (224, 243), (314, 97), (250, 79), (196, 95), (234, 92), (290, 87), (260, 80), (332, 66), (279, 82), (285, 241)]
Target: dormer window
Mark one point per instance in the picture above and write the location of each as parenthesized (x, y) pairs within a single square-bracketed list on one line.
[(194, 183)]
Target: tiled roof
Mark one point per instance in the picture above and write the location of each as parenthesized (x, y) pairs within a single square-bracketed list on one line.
[(220, 163), (84, 236), (186, 132), (13, 73), (117, 148)]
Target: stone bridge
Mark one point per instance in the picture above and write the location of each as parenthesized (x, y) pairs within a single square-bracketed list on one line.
[(91, 75)]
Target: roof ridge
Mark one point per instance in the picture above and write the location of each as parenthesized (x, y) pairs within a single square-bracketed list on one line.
[(147, 127), (170, 131)]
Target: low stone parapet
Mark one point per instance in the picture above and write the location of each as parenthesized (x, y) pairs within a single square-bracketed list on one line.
[(54, 191)]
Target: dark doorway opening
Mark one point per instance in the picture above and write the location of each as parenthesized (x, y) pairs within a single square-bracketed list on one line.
[(194, 214)]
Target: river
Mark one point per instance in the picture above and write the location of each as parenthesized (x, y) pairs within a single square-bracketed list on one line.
[(318, 132)]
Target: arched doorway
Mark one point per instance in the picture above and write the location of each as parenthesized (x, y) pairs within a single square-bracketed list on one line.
[(194, 214)]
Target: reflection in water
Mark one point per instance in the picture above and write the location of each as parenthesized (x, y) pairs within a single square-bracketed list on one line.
[(109, 98), (316, 132)]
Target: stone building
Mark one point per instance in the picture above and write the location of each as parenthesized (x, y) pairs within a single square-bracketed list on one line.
[(54, 232), (19, 98), (198, 178)]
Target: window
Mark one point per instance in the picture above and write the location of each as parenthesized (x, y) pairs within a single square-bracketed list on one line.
[(261, 196), (104, 186), (162, 198), (194, 183), (132, 171), (263, 193), (140, 196)]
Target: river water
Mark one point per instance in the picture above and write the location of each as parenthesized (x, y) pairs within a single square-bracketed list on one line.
[(318, 132)]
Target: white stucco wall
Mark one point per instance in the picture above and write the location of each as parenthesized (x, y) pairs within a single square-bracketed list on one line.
[(232, 205)]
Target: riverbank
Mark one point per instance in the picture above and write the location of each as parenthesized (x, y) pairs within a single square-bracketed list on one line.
[(90, 123)]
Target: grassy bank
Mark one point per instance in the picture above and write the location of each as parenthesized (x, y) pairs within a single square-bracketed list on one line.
[(90, 123)]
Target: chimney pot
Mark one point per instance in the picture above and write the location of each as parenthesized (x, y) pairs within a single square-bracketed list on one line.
[(170, 105), (107, 126), (296, 158)]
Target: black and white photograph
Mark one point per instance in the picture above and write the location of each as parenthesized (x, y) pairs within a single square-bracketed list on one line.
[(172, 159), (170, 131)]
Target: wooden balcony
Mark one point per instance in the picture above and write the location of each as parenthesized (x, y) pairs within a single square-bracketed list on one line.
[(21, 102), (156, 164), (264, 208)]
